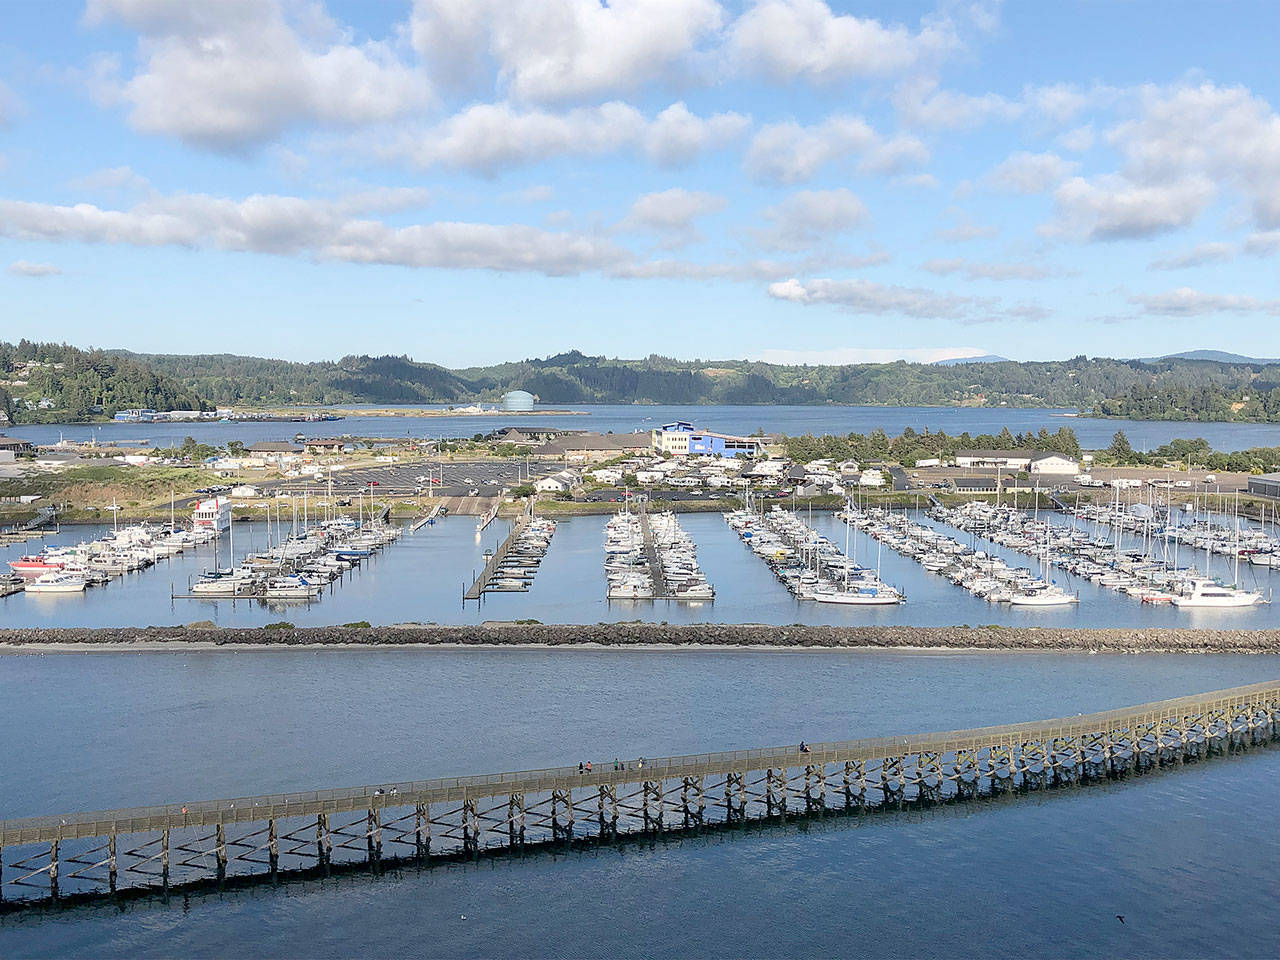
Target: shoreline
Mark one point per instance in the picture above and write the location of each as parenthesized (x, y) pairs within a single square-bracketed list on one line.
[(644, 637)]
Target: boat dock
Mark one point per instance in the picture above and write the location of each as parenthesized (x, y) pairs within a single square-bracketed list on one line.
[(477, 589), (423, 521), (651, 554), (188, 844)]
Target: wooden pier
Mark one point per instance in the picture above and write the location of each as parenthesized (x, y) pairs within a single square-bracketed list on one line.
[(477, 589), (79, 855)]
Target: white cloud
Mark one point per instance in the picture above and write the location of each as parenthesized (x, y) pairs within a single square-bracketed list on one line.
[(538, 193), (1079, 139), (1262, 244), (1028, 173), (323, 229), (1195, 257), (921, 104), (113, 178), (838, 356), (973, 270), (865, 297), (790, 153), (790, 39), (25, 268), (673, 211), (921, 181), (963, 228), (234, 73), (810, 217), (1187, 302), (677, 137), (490, 137), (1059, 102), (556, 50), (1112, 207)]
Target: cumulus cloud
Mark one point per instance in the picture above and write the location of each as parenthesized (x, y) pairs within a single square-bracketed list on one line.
[(974, 270), (1184, 146), (1187, 302), (556, 50), (1112, 207), (323, 229), (490, 137), (1078, 139), (25, 268), (804, 39), (809, 217), (673, 212), (1197, 256), (235, 73), (866, 297), (113, 178), (920, 103), (1263, 243), (1028, 173), (790, 153)]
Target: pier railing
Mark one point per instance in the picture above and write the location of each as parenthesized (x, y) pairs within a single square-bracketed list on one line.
[(1115, 725)]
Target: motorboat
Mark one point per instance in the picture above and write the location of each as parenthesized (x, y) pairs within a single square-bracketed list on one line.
[(56, 582)]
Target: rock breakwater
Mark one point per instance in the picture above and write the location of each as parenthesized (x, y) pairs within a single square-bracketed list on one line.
[(648, 634)]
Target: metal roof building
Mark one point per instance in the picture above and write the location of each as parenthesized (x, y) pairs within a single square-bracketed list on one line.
[(1267, 485)]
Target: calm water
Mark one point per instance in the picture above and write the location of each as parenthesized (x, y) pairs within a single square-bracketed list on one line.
[(1187, 856), (620, 418), (422, 577)]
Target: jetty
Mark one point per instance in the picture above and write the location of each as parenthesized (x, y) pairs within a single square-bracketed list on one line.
[(193, 843)]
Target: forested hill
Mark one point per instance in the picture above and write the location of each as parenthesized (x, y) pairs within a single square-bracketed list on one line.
[(573, 377), (59, 383)]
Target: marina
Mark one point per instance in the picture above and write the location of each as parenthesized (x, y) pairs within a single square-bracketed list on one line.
[(432, 567)]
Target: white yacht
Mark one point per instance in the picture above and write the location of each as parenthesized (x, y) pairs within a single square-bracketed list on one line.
[(56, 582), (1203, 592)]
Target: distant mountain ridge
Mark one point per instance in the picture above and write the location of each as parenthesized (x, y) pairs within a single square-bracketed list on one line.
[(984, 358), (1214, 356)]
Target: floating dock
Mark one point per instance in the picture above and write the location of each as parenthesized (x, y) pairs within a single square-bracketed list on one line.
[(477, 589)]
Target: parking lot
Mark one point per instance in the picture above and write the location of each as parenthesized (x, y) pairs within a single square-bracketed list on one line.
[(449, 478)]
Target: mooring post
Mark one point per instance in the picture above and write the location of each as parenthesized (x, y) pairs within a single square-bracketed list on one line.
[(220, 850), (419, 848), (164, 858), (273, 848), (373, 835), (111, 863), (324, 842), (53, 869)]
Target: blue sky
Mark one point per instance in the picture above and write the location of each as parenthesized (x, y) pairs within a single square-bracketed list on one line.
[(469, 181)]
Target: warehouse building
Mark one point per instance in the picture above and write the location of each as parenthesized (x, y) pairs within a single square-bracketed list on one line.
[(680, 440), (1267, 485)]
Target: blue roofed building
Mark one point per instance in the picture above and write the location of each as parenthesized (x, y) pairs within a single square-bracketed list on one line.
[(680, 439)]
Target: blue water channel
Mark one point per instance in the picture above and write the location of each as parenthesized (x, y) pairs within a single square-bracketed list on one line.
[(624, 418), (1186, 855), (421, 578)]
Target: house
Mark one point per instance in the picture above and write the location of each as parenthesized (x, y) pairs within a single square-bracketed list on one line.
[(272, 448), (871, 478), (649, 476), (557, 482), (607, 475), (322, 445), (16, 445)]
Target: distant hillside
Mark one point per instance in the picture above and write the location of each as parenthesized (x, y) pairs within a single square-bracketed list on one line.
[(576, 378), (985, 358), (1215, 356), (54, 382)]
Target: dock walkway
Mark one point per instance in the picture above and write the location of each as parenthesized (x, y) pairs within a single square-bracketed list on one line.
[(198, 842), (478, 588), (651, 555)]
